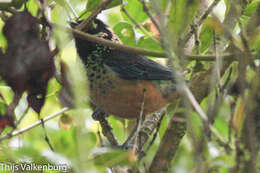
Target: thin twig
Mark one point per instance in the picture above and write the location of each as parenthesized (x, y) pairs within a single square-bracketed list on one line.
[(196, 38), (45, 119), (137, 139), (227, 80), (85, 23), (230, 123), (204, 117), (201, 19), (82, 14), (243, 37), (195, 104), (46, 138), (138, 25), (147, 11), (218, 61), (68, 4), (167, 12)]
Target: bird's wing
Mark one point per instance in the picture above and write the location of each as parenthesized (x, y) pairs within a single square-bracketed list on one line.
[(133, 66)]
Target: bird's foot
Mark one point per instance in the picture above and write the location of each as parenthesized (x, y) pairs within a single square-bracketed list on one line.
[(98, 114)]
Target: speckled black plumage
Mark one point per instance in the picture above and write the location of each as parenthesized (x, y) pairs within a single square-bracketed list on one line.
[(126, 65)]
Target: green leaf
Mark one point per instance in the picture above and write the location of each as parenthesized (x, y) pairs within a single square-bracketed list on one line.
[(222, 161), (227, 3), (64, 141), (7, 92), (181, 15), (14, 3), (3, 42), (206, 37), (112, 158), (126, 33), (118, 127), (135, 10), (195, 126), (148, 43), (251, 8), (221, 126), (113, 18), (92, 4), (32, 6), (2, 108), (254, 39)]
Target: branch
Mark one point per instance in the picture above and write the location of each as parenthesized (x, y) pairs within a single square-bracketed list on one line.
[(149, 124), (171, 139), (201, 19), (138, 25), (85, 23), (89, 37), (154, 21), (45, 119), (146, 52), (135, 50)]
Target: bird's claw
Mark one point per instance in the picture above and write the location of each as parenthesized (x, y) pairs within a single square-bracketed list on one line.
[(98, 114)]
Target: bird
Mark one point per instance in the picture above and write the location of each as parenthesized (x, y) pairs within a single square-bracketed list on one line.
[(120, 81)]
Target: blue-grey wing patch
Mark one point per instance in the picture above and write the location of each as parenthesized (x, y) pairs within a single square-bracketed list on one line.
[(133, 66)]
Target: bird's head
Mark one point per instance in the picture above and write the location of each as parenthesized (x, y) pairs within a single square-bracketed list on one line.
[(96, 28)]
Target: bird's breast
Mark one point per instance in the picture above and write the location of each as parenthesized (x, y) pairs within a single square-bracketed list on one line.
[(122, 97)]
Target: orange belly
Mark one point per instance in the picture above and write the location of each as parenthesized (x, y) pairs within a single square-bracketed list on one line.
[(124, 99)]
